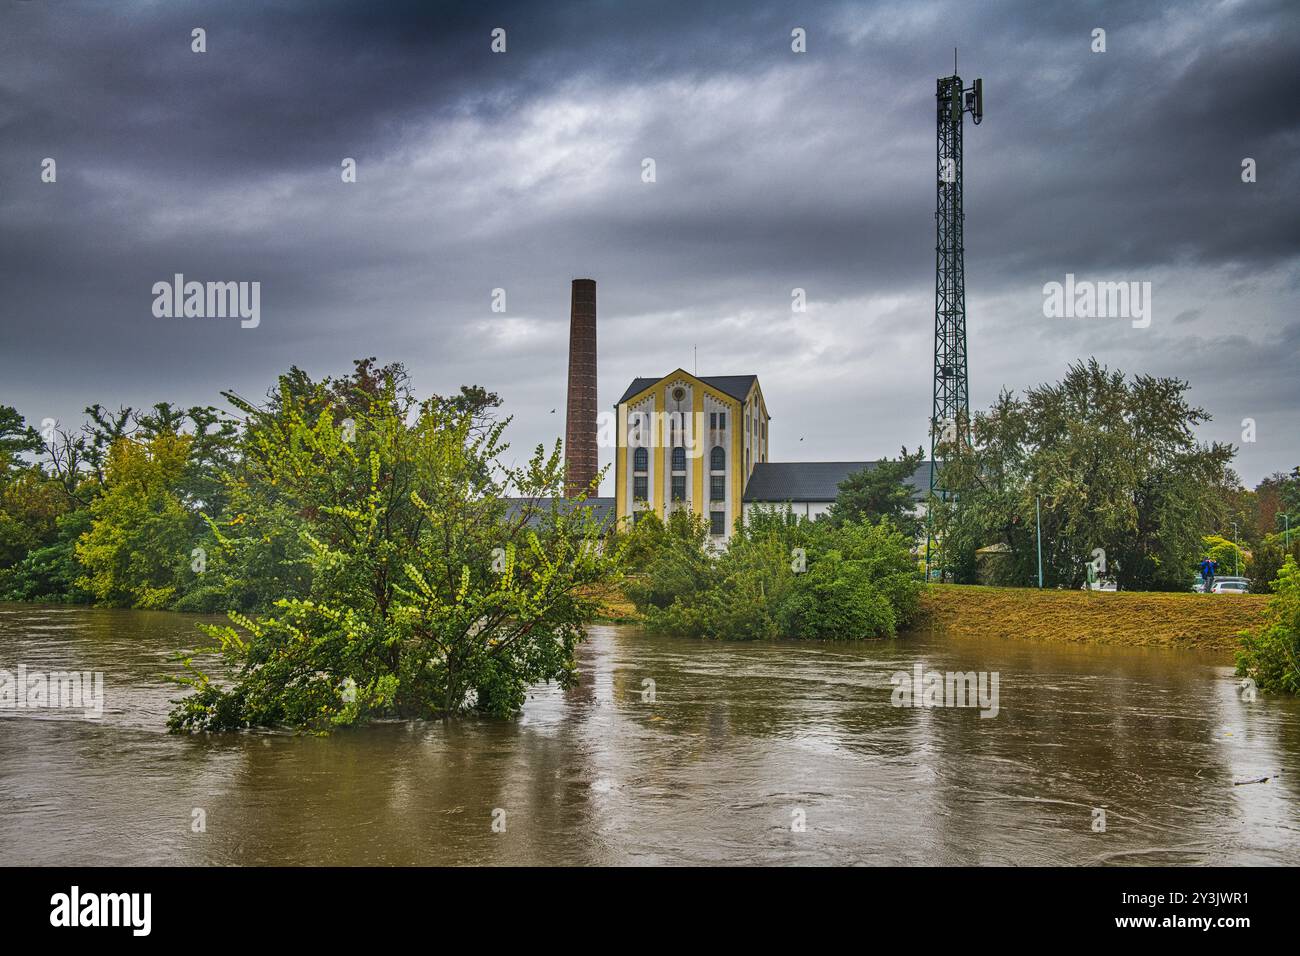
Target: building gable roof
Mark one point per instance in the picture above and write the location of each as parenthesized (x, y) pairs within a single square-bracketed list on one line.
[(776, 482), (737, 386)]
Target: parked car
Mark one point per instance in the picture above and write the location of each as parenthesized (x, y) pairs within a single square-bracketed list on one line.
[(1230, 586)]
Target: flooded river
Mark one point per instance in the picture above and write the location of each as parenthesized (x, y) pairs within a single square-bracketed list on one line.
[(767, 753)]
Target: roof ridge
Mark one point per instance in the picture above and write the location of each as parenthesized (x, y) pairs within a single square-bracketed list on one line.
[(711, 380)]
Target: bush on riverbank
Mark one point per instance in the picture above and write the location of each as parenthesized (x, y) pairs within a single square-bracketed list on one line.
[(1271, 655), (780, 576)]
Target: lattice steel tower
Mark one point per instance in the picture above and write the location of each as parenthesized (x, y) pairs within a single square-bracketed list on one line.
[(950, 414)]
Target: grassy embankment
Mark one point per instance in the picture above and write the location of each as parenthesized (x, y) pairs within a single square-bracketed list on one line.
[(614, 607), (1209, 622), (1136, 618)]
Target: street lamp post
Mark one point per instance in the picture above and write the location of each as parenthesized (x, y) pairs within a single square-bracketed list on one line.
[(1038, 520), (1286, 534), (1236, 552)]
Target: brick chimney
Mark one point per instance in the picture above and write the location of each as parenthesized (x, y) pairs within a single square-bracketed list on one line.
[(580, 458)]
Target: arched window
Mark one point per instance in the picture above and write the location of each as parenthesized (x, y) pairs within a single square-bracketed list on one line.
[(640, 460), (718, 458), (679, 458)]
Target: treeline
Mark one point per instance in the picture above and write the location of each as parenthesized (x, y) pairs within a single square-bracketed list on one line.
[(112, 513), (154, 508), (1109, 468)]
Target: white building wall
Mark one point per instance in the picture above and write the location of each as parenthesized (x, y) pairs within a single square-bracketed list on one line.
[(679, 410), (803, 509), (718, 437), (645, 408), (811, 509)]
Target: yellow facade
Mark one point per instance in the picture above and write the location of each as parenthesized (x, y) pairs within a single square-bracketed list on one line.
[(681, 409)]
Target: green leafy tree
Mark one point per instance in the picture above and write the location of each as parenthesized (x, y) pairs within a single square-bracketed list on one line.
[(1289, 491), (16, 439), (1229, 557), (1277, 498), (1240, 511), (101, 433), (1266, 560), (39, 520), (1117, 470), (30, 506), (424, 596), (882, 491), (664, 558), (51, 574), (137, 550)]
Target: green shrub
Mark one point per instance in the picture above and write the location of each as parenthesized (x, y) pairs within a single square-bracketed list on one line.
[(1266, 561), (781, 576), (837, 599), (425, 595), (1271, 655)]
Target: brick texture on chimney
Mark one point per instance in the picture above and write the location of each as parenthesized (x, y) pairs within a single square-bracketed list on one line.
[(580, 457)]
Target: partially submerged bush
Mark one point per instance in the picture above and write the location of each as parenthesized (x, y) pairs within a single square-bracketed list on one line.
[(1271, 655), (426, 594), (780, 576)]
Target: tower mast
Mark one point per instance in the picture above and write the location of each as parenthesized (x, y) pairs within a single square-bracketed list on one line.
[(950, 411)]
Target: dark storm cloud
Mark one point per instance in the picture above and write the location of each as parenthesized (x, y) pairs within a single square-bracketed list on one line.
[(775, 171)]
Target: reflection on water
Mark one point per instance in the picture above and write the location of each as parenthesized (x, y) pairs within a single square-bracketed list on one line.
[(739, 738)]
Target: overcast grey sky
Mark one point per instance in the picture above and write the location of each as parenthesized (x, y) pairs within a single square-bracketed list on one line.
[(775, 170)]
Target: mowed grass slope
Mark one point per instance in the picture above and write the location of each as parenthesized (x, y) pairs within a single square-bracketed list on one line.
[(1137, 618), (615, 608)]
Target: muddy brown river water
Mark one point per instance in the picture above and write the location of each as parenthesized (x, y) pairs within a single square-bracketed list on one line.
[(755, 753)]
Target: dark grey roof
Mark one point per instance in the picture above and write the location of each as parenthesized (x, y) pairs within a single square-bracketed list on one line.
[(602, 509), (737, 386), (780, 481)]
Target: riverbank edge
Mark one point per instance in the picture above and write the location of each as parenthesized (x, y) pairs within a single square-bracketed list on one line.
[(1202, 622)]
